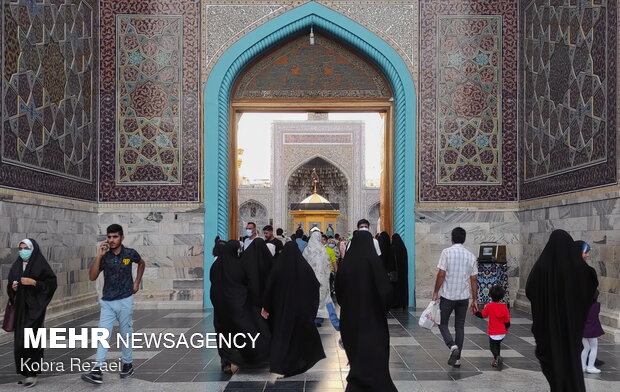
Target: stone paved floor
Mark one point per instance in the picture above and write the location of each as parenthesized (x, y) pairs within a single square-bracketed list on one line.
[(417, 361)]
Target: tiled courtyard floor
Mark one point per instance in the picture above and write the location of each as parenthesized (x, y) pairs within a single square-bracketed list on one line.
[(417, 361)]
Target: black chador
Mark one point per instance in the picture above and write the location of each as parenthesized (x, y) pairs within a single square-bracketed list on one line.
[(233, 311), (257, 262), (30, 304), (560, 290), (364, 293), (291, 299), (401, 286), (386, 252)]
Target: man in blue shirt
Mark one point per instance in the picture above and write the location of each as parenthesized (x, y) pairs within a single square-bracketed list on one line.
[(117, 301), (299, 240)]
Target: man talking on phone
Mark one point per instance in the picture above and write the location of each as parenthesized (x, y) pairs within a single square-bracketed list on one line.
[(115, 261)]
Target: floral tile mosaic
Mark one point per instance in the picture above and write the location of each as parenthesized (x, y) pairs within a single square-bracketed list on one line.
[(149, 107), (467, 144), (150, 101)]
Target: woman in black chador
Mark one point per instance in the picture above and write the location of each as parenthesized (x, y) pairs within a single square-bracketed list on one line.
[(233, 311), (386, 252), (31, 286), (364, 293), (257, 262), (290, 302), (560, 293), (401, 286)]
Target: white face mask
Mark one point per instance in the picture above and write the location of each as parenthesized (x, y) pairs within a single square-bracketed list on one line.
[(249, 233), (363, 228)]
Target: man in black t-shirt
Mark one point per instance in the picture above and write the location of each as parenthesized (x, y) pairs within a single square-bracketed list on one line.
[(271, 239), (117, 301)]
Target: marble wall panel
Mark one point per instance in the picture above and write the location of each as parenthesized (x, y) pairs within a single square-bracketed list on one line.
[(66, 232), (150, 101), (582, 218), (568, 96), (49, 90), (468, 90), (433, 228), (171, 246)]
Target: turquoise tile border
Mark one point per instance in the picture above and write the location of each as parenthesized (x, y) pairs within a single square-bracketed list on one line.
[(216, 117)]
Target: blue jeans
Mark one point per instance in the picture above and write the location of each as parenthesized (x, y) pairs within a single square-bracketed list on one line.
[(121, 310)]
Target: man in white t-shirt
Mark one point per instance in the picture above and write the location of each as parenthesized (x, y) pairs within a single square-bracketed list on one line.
[(456, 283)]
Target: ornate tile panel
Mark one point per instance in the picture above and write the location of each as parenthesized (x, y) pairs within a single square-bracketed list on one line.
[(234, 18), (469, 100), (49, 97), (396, 23), (568, 82), (150, 119), (148, 85), (467, 145), (325, 69)]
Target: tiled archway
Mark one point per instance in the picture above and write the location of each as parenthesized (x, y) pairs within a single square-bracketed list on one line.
[(236, 58)]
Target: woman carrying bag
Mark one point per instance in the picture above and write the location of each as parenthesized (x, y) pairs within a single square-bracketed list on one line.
[(31, 285)]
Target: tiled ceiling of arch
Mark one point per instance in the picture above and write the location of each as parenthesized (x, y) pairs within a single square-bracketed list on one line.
[(49, 96), (568, 102)]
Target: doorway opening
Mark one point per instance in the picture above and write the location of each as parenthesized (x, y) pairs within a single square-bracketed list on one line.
[(398, 100), (279, 158)]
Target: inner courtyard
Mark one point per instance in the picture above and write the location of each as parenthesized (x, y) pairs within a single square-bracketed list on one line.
[(497, 116)]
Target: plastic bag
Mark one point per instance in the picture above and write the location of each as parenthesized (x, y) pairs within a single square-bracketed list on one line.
[(430, 316)]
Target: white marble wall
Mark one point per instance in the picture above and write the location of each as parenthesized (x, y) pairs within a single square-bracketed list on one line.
[(170, 240), (433, 234), (65, 230), (595, 219)]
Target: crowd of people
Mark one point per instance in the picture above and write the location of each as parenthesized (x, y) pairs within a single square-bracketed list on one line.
[(282, 289), (285, 288)]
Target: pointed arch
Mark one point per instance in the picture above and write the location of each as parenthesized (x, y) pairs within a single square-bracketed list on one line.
[(217, 112), (288, 174)]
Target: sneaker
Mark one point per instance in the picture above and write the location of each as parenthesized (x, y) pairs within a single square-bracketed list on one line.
[(127, 370), (494, 363), (30, 382), (592, 370), (457, 363), (454, 355), (94, 377)]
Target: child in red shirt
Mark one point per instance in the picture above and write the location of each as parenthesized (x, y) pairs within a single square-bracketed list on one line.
[(499, 322)]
